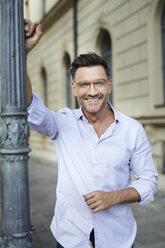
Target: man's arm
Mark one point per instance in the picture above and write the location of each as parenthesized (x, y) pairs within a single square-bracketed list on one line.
[(40, 118), (99, 200), (33, 34), (141, 190)]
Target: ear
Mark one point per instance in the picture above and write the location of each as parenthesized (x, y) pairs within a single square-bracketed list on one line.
[(74, 89), (109, 86)]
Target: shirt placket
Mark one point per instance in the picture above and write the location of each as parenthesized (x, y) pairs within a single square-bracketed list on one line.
[(97, 180)]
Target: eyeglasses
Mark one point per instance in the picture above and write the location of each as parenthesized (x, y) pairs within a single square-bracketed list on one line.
[(99, 85)]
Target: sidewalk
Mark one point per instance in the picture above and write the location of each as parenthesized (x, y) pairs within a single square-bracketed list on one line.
[(43, 181), (150, 218), (151, 223)]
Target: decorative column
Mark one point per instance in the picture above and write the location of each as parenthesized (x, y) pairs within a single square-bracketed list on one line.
[(16, 227)]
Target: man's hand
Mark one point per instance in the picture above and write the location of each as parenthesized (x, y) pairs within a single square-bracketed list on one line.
[(33, 33), (99, 200)]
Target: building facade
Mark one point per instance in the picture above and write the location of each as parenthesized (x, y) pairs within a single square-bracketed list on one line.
[(129, 34)]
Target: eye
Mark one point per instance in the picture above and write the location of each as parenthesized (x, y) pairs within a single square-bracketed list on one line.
[(83, 84), (100, 83)]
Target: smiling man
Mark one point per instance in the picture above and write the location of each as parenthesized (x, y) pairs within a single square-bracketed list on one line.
[(97, 148)]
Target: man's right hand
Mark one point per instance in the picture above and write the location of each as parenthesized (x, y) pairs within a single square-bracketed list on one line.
[(33, 33)]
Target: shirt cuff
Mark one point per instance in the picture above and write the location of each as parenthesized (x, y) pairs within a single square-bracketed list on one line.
[(145, 191), (32, 103), (36, 111)]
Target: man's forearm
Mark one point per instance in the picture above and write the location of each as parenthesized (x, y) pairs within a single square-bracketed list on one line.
[(100, 200), (129, 195), (28, 90), (33, 33)]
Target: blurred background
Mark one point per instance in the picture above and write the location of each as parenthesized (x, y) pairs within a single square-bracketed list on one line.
[(130, 35)]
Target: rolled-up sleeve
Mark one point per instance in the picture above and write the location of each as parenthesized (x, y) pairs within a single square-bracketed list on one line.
[(41, 119), (143, 169)]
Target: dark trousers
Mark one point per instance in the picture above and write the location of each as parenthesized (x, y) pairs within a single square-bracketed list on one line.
[(92, 239), (60, 246)]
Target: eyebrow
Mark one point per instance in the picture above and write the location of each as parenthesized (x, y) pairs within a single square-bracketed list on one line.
[(92, 80)]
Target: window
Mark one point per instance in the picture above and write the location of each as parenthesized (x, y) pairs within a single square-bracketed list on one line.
[(106, 52), (43, 8), (44, 86), (68, 81), (163, 51)]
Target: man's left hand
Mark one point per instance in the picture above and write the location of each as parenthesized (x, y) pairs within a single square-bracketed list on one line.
[(99, 200)]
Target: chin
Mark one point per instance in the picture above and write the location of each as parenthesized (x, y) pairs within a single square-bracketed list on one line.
[(92, 110)]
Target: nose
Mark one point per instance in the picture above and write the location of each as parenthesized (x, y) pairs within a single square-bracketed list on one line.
[(92, 90)]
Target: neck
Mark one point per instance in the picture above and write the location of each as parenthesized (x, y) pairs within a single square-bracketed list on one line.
[(100, 120)]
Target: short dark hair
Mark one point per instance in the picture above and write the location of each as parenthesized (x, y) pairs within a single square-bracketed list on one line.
[(89, 59)]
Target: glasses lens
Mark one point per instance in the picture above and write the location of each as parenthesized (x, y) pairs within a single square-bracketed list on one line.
[(100, 84)]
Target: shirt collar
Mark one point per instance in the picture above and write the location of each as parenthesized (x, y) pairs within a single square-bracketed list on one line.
[(80, 115)]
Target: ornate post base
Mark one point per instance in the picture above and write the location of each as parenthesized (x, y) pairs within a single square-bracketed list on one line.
[(16, 227), (23, 240)]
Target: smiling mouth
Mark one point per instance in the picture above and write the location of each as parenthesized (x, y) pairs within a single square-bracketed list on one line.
[(93, 98), (92, 101)]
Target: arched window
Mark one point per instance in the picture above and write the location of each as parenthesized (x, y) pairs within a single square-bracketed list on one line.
[(163, 51), (68, 81), (44, 86), (106, 51)]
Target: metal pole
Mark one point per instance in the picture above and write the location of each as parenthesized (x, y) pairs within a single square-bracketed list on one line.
[(16, 227)]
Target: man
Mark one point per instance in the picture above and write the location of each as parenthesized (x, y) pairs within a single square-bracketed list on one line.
[(97, 148)]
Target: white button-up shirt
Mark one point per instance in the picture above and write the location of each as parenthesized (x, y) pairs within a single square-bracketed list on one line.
[(87, 163)]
